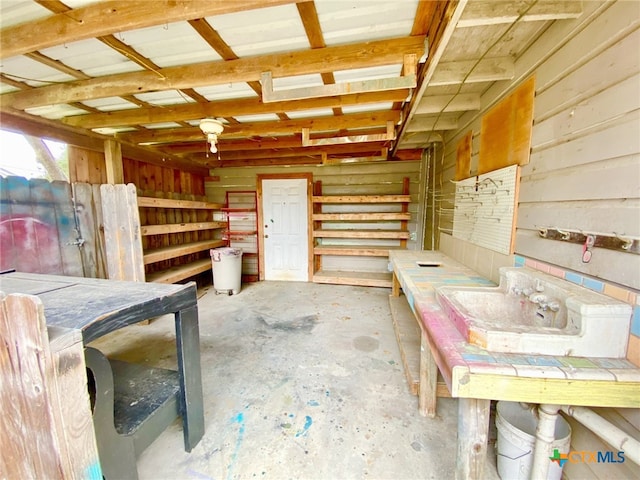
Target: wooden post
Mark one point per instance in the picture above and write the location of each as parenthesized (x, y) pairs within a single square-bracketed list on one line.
[(122, 233), (427, 393), (46, 429), (113, 162), (473, 429), (317, 208), (406, 188)]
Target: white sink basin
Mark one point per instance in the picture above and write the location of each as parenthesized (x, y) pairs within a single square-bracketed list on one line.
[(533, 312)]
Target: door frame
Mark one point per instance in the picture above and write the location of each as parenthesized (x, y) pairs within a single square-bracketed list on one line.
[(285, 176)]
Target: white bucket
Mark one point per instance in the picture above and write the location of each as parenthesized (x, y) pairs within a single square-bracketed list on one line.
[(226, 264), (516, 427)]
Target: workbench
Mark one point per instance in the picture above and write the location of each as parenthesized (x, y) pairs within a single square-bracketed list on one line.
[(96, 307), (476, 376)]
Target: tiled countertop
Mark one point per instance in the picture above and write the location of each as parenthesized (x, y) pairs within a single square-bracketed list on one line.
[(473, 372)]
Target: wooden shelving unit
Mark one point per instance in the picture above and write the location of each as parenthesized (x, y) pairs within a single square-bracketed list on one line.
[(242, 230), (175, 216), (361, 229)]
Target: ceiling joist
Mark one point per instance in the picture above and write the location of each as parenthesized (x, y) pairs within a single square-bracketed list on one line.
[(368, 54), (472, 71), (405, 81), (105, 18), (448, 103), (490, 12), (225, 108), (363, 138), (282, 127)]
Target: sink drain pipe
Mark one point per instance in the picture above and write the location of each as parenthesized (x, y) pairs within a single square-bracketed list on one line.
[(545, 433), (606, 431)]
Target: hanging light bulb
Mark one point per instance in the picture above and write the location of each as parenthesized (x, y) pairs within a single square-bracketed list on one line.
[(212, 128), (212, 138)]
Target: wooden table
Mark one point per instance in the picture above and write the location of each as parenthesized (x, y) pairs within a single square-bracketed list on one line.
[(476, 376), (97, 307)]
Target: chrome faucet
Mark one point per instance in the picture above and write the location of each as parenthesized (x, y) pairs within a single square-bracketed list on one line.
[(538, 298)]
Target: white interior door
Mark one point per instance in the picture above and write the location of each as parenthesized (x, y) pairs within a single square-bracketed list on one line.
[(284, 208)]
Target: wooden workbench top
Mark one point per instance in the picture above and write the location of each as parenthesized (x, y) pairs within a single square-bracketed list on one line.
[(473, 372)]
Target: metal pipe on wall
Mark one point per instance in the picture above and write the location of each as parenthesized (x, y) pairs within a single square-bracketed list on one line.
[(608, 432)]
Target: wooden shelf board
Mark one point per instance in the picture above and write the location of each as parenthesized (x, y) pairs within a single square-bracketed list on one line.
[(408, 336), (175, 274), (363, 217), (237, 210), (365, 279), (165, 253), (407, 332), (354, 250), (170, 203), (361, 199), (179, 227), (393, 234)]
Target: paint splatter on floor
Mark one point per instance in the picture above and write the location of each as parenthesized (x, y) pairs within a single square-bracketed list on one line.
[(308, 421)]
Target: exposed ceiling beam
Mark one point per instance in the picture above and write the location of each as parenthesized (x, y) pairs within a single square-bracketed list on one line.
[(267, 162), (313, 29), (490, 12), (225, 108), (448, 103), (301, 151), (215, 41), (424, 123), (259, 143), (487, 70), (425, 16), (282, 127), (41, 128), (369, 54), (269, 95), (21, 122), (104, 18), (347, 139)]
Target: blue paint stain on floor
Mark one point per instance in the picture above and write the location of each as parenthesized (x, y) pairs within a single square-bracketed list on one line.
[(308, 421), (238, 419), (313, 403)]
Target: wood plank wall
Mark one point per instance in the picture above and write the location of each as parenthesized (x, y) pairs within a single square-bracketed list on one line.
[(584, 169), (42, 224), (151, 181), (583, 172), (348, 179)]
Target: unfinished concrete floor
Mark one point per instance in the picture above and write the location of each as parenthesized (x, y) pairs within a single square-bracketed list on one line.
[(301, 381)]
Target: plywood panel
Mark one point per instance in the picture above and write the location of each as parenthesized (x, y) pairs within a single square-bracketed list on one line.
[(485, 209), (463, 157), (505, 135), (122, 233)]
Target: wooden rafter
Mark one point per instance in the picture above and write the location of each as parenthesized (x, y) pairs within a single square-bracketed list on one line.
[(105, 18), (311, 23), (282, 127), (489, 12), (253, 144), (369, 54), (225, 108), (269, 95), (361, 138)]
